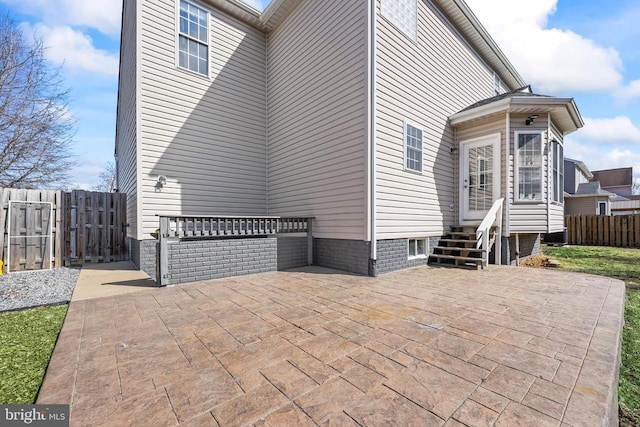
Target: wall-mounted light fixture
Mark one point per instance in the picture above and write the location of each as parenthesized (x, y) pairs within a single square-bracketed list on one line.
[(162, 181), (530, 119), (454, 150)]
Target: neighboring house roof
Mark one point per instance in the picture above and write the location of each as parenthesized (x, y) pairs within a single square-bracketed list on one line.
[(619, 198), (457, 11), (590, 189), (580, 165), (620, 177), (564, 111)]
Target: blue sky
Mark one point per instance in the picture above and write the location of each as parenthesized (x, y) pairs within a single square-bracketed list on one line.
[(586, 49)]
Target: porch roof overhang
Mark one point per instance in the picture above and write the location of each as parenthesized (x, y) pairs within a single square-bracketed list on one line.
[(564, 111)]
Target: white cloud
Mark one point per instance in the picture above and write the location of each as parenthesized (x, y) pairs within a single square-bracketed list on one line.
[(75, 50), (552, 60), (103, 15), (615, 130), (629, 92), (86, 174)]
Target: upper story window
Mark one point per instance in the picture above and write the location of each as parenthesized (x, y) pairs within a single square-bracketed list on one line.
[(557, 155), (403, 14), (528, 162), (413, 147), (193, 38)]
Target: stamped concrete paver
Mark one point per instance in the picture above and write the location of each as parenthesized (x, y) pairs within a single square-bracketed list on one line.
[(429, 346)]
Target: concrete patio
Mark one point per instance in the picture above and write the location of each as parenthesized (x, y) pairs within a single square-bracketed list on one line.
[(428, 346)]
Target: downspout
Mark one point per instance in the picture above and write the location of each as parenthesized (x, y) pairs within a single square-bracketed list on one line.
[(549, 169), (372, 5), (509, 182), (266, 117)]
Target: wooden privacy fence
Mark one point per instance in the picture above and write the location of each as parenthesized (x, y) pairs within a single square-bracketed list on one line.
[(621, 231), (44, 228)]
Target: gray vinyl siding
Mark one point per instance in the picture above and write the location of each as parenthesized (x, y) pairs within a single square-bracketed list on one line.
[(207, 135), (424, 82), (317, 85), (528, 217), (126, 142)]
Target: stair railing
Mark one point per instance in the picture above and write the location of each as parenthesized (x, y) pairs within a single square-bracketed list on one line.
[(483, 232)]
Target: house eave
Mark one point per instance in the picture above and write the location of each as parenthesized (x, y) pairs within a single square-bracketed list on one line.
[(238, 10), (276, 12), (265, 20), (563, 111)]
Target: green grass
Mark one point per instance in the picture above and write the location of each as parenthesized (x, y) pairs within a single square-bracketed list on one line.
[(623, 264), (27, 339)]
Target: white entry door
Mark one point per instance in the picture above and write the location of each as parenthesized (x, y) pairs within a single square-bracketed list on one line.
[(480, 176)]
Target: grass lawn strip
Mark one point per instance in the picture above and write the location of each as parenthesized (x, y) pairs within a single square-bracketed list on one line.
[(27, 339), (624, 264)]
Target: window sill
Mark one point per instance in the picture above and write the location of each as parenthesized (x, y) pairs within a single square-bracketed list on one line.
[(413, 171), (410, 258), (194, 73), (528, 202)]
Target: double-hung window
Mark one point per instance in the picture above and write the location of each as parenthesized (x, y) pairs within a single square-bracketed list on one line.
[(528, 161), (193, 38), (413, 147), (558, 171)]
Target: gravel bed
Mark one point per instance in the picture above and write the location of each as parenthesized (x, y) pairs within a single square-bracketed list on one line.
[(35, 288)]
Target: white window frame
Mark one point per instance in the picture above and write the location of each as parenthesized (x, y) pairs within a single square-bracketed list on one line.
[(406, 147), (189, 37), (415, 244), (516, 177), (602, 203), (557, 175)]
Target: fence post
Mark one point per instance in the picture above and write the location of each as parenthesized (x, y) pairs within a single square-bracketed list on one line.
[(162, 276), (310, 241)]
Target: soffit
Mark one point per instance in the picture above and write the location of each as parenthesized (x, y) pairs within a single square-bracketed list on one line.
[(265, 21)]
